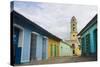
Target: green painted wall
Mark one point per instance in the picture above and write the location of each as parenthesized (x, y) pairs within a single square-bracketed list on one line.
[(65, 50)]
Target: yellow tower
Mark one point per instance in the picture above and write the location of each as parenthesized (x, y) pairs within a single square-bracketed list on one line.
[(73, 28), (73, 37)]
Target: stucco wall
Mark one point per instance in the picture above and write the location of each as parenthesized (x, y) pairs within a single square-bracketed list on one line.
[(65, 50), (25, 55), (90, 31), (53, 42), (27, 30)]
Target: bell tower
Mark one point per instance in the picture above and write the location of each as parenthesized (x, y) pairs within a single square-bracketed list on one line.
[(73, 35)]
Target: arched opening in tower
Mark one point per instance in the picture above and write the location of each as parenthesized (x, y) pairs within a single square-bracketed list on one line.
[(73, 46)]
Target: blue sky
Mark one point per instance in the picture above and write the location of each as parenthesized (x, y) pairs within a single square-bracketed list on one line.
[(56, 17)]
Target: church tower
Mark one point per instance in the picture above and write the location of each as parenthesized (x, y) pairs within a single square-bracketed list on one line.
[(74, 42), (73, 35)]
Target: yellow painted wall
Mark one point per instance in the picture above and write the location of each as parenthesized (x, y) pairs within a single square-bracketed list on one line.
[(54, 43), (73, 37), (77, 51)]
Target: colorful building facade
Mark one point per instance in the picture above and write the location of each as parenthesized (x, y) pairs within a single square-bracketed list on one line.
[(65, 49), (53, 47), (31, 42), (88, 36)]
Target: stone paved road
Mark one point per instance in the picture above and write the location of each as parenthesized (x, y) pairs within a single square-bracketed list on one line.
[(62, 60)]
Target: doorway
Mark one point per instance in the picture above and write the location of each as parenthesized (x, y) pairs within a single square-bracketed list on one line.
[(55, 50), (88, 44), (73, 46), (95, 41), (33, 47), (17, 48), (44, 48)]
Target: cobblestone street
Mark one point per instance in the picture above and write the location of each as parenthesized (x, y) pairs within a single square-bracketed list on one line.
[(62, 60)]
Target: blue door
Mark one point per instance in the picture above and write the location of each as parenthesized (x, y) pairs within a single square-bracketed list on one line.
[(44, 48), (33, 47), (95, 41), (17, 50)]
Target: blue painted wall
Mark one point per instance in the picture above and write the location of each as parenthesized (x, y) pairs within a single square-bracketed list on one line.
[(39, 48), (26, 46), (28, 28)]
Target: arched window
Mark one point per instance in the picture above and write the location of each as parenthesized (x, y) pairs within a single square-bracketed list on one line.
[(73, 28), (73, 35), (73, 19), (73, 24), (73, 45)]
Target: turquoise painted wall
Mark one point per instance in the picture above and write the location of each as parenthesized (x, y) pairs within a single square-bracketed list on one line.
[(92, 45)]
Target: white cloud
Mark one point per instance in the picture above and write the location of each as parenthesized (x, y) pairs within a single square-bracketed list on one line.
[(56, 17)]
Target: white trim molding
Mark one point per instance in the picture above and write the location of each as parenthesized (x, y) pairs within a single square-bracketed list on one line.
[(21, 35)]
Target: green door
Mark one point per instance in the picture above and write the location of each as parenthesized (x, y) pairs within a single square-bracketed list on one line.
[(83, 46), (55, 50), (51, 50), (88, 44)]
